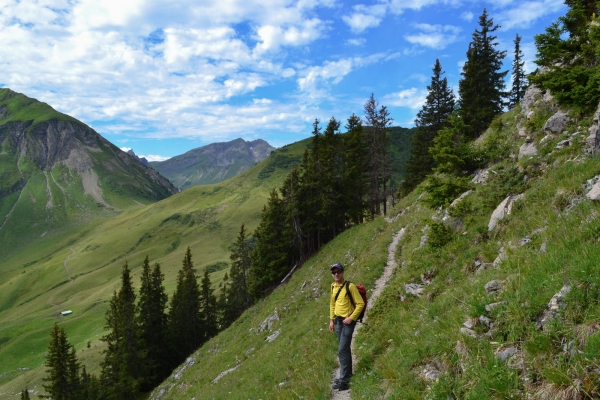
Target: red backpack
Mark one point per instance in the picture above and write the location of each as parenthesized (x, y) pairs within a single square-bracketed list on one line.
[(363, 294)]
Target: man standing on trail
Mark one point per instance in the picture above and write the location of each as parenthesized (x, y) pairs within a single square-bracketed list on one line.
[(342, 317)]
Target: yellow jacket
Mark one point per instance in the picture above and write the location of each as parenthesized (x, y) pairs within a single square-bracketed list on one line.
[(342, 307)]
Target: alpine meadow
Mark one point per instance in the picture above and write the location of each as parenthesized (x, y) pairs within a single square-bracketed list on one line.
[(476, 234)]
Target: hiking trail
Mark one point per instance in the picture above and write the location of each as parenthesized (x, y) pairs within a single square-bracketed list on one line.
[(380, 284)]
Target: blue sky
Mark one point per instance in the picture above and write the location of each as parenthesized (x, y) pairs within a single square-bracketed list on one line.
[(165, 77)]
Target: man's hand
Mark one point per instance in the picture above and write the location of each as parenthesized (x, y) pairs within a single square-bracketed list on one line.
[(348, 321), (330, 325)]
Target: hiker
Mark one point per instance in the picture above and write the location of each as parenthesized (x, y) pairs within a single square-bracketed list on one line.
[(342, 318)]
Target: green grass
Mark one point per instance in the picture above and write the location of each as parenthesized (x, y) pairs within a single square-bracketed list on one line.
[(35, 286)]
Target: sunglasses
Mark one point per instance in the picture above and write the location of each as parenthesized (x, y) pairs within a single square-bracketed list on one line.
[(336, 272)]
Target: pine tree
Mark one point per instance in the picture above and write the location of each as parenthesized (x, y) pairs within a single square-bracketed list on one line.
[(481, 88), (519, 82), (238, 295), (185, 324), (121, 368), (208, 306), (89, 388), (152, 320), (62, 374), (439, 104)]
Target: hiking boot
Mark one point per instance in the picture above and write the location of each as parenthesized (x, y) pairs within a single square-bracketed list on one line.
[(340, 386)]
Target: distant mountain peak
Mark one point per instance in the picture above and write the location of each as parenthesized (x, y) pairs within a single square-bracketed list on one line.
[(214, 162)]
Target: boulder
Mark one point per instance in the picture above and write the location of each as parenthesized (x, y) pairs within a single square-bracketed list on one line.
[(592, 188), (423, 241), (528, 148), (414, 289), (493, 287), (468, 332), (502, 210), (557, 122), (501, 257), (492, 306)]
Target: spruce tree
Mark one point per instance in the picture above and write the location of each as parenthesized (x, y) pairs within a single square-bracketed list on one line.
[(185, 324), (152, 320), (89, 387), (270, 258), (62, 374), (355, 182), (439, 104), (568, 52), (208, 306), (121, 368), (377, 121), (238, 295), (481, 88), (519, 82)]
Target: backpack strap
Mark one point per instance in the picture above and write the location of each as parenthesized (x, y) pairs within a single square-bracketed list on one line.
[(338, 293)]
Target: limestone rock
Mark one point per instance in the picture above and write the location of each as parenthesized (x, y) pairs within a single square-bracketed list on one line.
[(414, 289), (493, 287), (273, 336), (554, 307), (528, 148), (532, 94), (501, 257), (481, 176), (562, 144), (502, 210), (506, 354), (557, 122), (593, 188), (269, 321)]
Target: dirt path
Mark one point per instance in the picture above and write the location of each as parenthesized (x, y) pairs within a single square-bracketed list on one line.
[(65, 263), (379, 286)]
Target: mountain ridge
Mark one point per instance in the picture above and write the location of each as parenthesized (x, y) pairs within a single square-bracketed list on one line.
[(213, 163)]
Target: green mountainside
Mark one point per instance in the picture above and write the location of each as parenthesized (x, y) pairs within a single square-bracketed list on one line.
[(57, 173), (473, 310), (213, 163), (80, 269)]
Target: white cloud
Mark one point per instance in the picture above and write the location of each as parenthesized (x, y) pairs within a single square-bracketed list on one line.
[(467, 16), (312, 78), (412, 98), (155, 157), (365, 17), (125, 149), (527, 12), (356, 42), (434, 36)]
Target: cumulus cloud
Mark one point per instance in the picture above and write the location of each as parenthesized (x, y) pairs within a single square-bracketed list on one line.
[(412, 98), (155, 157), (356, 42), (365, 17), (434, 36), (524, 13)]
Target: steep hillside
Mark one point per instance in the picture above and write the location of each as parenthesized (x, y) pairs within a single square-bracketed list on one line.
[(496, 296), (81, 271), (213, 163), (56, 173)]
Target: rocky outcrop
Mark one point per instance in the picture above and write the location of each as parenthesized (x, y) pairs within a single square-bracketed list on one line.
[(557, 122), (502, 211), (593, 140), (528, 148), (554, 307)]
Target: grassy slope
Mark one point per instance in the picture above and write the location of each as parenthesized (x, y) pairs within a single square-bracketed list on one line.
[(405, 333), (35, 286)]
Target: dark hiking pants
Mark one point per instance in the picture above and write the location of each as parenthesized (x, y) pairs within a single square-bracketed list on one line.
[(344, 334)]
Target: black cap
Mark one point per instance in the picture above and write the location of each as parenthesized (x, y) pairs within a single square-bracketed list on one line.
[(337, 265)]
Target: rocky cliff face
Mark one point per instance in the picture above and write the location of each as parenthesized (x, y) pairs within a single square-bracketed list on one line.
[(55, 169), (213, 163)]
